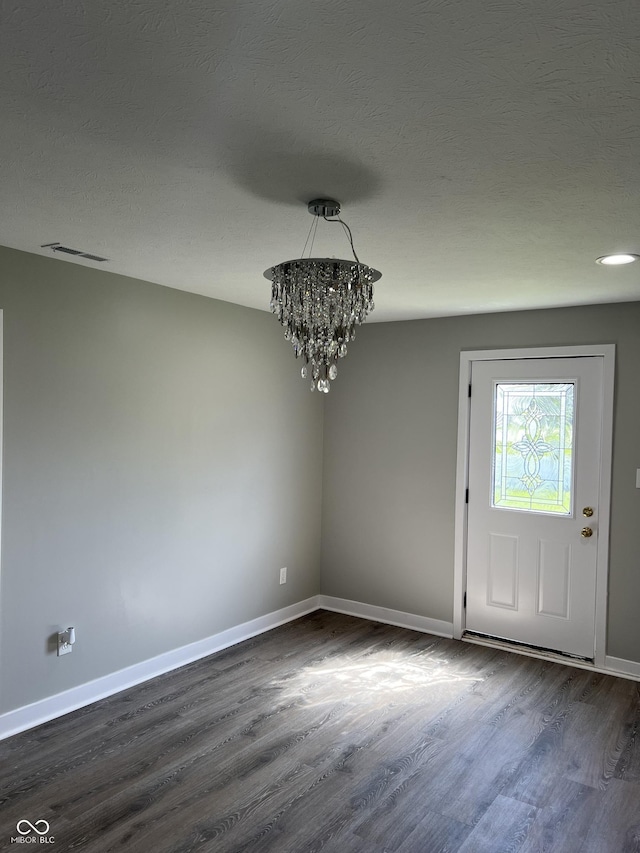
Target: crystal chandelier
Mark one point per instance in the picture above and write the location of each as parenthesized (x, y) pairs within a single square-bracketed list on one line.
[(320, 301)]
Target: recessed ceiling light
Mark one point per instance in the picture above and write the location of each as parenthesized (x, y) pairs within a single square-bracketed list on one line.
[(617, 260)]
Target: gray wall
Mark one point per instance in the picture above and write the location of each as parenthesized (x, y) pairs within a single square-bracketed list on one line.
[(390, 457), (162, 461)]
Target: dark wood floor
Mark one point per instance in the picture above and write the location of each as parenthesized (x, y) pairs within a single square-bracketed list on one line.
[(337, 734)]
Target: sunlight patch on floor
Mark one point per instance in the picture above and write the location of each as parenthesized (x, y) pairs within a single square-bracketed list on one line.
[(385, 675)]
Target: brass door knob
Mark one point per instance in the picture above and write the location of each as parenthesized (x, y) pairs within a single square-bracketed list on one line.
[(586, 532), (588, 511)]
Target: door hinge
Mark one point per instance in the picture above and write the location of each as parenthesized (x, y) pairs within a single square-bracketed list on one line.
[(466, 496), (464, 603), (469, 389)]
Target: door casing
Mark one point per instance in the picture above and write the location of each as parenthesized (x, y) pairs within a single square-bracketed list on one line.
[(607, 353)]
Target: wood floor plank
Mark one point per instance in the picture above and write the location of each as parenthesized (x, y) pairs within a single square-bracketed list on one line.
[(544, 760), (561, 826), (616, 822), (401, 818), (227, 777), (472, 771), (628, 767), (336, 734), (573, 740), (436, 834), (503, 827), (608, 736)]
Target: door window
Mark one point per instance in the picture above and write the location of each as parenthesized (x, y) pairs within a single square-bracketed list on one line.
[(533, 447)]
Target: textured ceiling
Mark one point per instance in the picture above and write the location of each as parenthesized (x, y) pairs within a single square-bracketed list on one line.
[(484, 152)]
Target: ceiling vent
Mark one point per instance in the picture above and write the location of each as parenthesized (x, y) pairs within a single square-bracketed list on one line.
[(67, 250)]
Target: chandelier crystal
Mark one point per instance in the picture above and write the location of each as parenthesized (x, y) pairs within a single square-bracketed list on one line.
[(320, 301)]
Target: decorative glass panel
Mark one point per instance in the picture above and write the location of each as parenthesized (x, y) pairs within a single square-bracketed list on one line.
[(533, 447)]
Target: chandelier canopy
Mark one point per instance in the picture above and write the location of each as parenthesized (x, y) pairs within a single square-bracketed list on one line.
[(320, 301)]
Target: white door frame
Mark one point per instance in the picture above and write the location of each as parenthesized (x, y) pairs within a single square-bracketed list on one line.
[(607, 352)]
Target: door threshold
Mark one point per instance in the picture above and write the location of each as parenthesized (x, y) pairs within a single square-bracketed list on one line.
[(524, 649)]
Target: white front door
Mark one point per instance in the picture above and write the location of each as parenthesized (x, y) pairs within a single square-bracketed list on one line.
[(534, 478)]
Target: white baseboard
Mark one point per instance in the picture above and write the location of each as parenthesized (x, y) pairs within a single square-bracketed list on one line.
[(620, 666), (47, 709), (386, 615), (28, 716)]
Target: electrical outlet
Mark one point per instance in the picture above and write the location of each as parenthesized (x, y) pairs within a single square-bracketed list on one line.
[(66, 639), (64, 646), (283, 575)]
